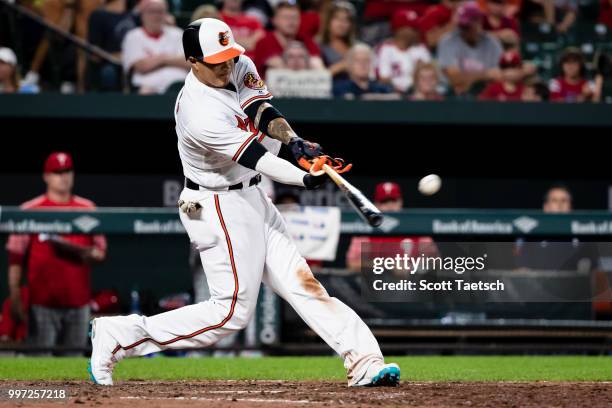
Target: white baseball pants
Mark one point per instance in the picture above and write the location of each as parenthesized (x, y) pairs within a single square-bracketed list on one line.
[(242, 240)]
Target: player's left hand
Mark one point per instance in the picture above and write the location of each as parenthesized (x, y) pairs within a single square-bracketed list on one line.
[(312, 182), (304, 151)]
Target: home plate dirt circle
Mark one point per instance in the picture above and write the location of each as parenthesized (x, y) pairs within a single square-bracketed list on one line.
[(247, 394)]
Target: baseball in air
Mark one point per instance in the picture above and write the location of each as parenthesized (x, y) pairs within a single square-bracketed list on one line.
[(430, 184)]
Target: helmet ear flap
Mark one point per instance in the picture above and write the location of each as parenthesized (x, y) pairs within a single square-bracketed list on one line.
[(191, 41)]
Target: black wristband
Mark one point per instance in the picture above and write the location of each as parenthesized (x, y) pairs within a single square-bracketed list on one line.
[(267, 116)]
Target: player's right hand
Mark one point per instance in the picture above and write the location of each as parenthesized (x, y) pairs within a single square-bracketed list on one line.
[(304, 151)]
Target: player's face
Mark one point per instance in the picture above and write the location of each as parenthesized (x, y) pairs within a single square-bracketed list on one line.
[(558, 201), (60, 182), (215, 75)]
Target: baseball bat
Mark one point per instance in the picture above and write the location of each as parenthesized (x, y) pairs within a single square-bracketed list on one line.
[(364, 207)]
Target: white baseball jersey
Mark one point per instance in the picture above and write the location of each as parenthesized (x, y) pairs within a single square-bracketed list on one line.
[(399, 65), (242, 240), (138, 44), (213, 129)]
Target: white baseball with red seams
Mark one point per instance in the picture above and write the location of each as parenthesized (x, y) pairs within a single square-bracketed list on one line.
[(242, 241)]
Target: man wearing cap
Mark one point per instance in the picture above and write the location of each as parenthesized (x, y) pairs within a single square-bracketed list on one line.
[(152, 53), (58, 267), (388, 198), (437, 20), (398, 56), (468, 54), (510, 87), (229, 135)]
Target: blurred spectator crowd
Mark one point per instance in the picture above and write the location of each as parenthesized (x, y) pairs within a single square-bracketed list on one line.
[(496, 50)]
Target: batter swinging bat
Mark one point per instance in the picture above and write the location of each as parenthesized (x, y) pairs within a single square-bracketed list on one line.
[(360, 203)]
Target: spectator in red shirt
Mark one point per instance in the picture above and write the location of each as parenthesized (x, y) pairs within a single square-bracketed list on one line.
[(510, 87), (269, 50), (437, 21), (247, 29), (571, 86), (499, 24), (388, 198), (58, 266)]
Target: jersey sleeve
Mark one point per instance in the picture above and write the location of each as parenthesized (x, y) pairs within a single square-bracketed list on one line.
[(226, 138), (249, 84)]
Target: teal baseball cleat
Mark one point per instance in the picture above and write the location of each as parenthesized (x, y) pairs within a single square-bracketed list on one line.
[(387, 375), (102, 361)]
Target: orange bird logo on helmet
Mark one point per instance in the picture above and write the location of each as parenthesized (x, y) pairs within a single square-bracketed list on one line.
[(224, 38)]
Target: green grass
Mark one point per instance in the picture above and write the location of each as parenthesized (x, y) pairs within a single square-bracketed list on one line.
[(428, 368)]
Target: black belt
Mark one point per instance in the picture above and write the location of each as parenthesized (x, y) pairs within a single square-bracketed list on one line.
[(195, 186)]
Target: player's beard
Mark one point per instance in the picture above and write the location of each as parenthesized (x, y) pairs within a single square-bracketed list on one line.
[(225, 77), (222, 73)]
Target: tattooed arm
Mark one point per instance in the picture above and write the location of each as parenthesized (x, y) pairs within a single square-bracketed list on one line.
[(280, 129), (270, 121)]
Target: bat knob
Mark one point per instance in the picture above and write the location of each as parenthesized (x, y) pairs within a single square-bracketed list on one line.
[(375, 219)]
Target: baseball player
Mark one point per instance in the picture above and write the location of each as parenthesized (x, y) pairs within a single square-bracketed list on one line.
[(228, 134)]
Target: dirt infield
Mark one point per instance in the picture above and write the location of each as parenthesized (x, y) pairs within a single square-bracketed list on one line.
[(247, 394)]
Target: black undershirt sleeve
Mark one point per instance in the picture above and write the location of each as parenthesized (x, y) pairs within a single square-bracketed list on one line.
[(251, 155), (251, 110), (268, 115)]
